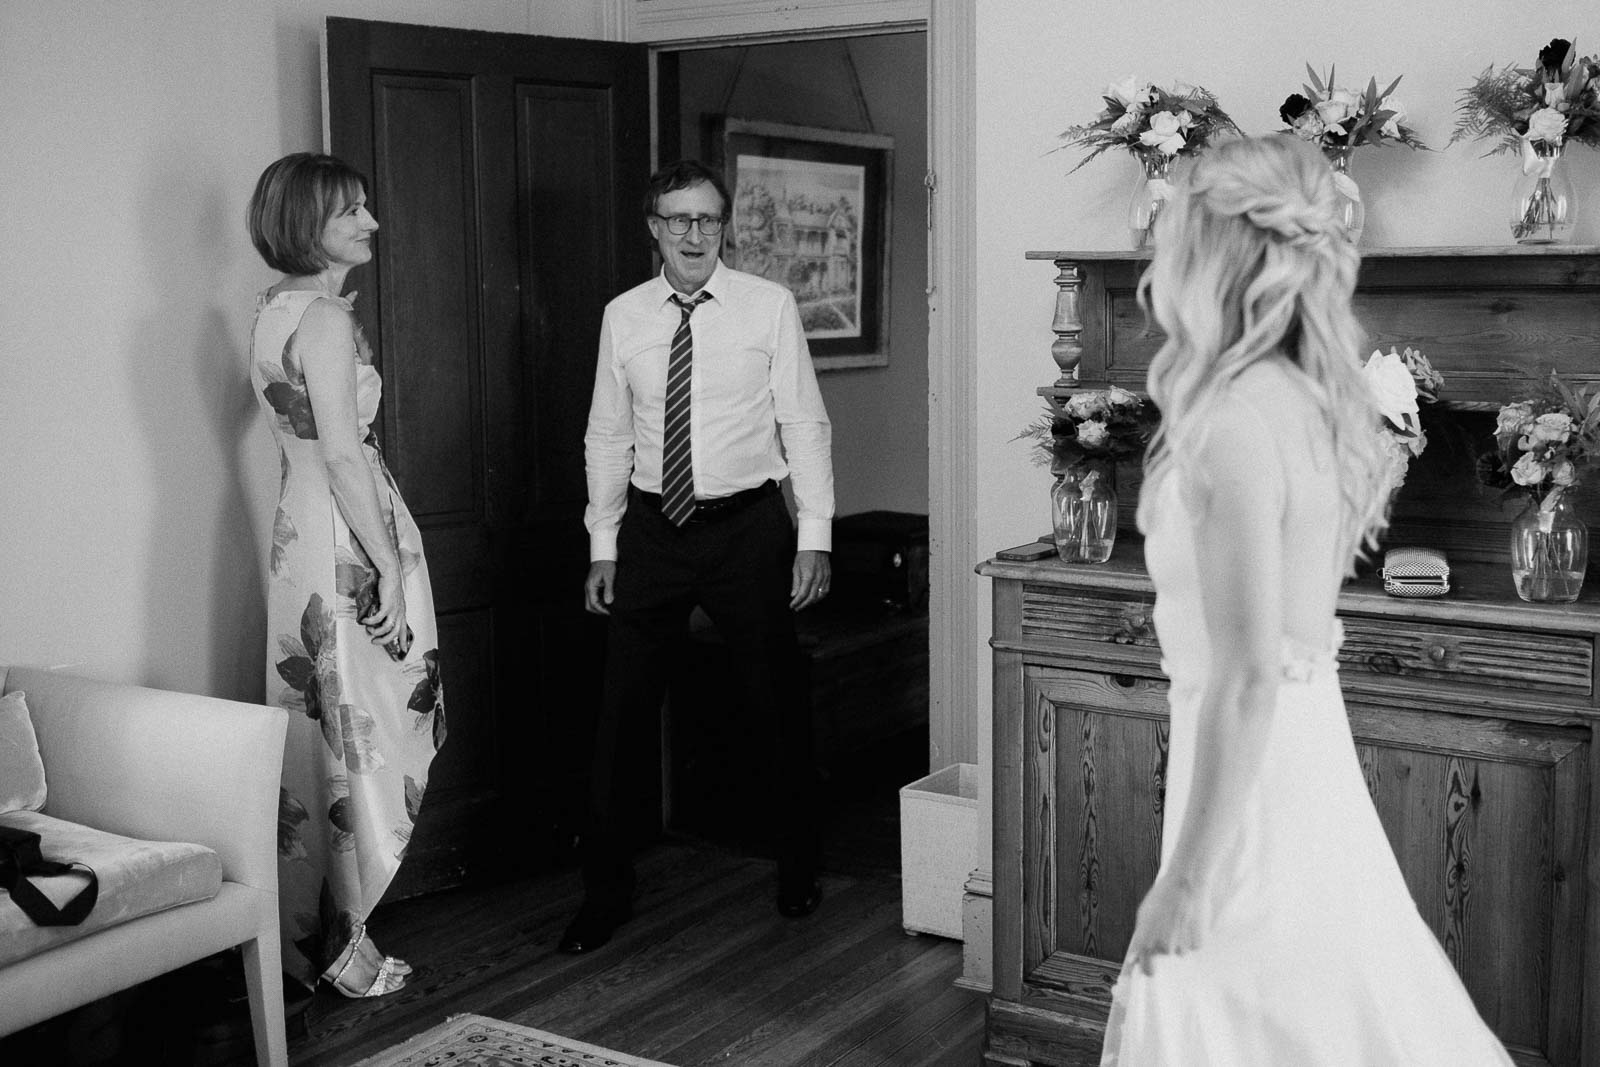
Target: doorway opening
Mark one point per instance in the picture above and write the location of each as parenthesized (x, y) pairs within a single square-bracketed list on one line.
[(867, 645)]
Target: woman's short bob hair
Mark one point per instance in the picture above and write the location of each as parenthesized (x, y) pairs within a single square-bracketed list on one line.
[(293, 201)]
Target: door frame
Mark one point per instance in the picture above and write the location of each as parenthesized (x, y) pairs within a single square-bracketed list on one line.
[(957, 601), (960, 725)]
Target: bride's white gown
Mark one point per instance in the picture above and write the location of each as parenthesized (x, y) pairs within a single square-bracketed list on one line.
[(1321, 957)]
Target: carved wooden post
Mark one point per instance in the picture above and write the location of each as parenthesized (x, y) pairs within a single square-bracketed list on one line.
[(1067, 350)]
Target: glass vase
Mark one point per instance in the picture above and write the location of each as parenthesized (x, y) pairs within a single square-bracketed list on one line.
[(1542, 209), (1083, 507), (1351, 213), (1549, 551), (1149, 197)]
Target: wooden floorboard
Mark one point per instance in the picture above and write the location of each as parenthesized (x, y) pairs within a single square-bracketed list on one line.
[(707, 972)]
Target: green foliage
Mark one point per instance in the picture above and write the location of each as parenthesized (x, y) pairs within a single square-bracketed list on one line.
[(1501, 103), (1126, 119)]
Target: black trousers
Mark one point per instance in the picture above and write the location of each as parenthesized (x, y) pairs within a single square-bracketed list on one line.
[(737, 566)]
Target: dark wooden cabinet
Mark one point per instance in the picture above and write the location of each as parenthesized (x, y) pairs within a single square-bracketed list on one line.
[(1474, 718), (1474, 715)]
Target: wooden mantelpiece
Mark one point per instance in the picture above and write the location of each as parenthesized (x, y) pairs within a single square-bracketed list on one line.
[(1492, 320), (1485, 316), (1475, 714)]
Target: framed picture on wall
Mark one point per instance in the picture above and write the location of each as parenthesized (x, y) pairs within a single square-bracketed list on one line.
[(811, 211)]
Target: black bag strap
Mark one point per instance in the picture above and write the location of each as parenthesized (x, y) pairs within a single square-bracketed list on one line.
[(20, 858)]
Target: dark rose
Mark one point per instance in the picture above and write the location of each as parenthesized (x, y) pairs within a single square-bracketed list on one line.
[(1293, 108), (1551, 56)]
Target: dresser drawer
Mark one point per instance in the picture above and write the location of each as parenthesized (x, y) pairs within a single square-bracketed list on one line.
[(1515, 659), (1063, 613)]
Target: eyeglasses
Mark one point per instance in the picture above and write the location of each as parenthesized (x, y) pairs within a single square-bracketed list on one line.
[(678, 225)]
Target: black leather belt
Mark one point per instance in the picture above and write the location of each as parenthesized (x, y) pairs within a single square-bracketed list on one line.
[(717, 507)]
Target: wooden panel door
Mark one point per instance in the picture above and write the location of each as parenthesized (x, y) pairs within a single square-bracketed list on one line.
[(506, 172)]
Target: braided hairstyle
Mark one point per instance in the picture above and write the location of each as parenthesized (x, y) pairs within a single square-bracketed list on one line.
[(1250, 263)]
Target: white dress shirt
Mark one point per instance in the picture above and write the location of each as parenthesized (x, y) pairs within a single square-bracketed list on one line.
[(755, 410)]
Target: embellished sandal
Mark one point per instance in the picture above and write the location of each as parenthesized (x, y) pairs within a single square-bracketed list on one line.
[(389, 976)]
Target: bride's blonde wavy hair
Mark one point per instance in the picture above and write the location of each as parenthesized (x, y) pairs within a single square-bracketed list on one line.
[(1250, 261)]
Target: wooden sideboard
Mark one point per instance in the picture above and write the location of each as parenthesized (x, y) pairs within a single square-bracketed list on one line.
[(1474, 714)]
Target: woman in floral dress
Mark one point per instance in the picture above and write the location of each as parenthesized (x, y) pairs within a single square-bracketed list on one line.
[(352, 649)]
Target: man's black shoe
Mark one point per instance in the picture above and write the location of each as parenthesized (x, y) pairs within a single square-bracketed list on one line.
[(593, 927), (798, 901)]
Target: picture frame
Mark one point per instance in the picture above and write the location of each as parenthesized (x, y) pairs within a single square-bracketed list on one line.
[(811, 210)]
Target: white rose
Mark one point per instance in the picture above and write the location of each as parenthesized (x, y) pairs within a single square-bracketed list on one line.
[(1552, 429), (1528, 471), (1085, 405), (1334, 111), (1392, 386), (1118, 397), (1128, 92), (1165, 133), (1092, 434), (1547, 125), (1565, 473), (1556, 420)]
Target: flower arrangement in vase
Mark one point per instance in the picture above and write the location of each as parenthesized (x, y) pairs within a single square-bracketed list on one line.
[(1399, 381), (1156, 125), (1082, 439), (1544, 443), (1339, 121), (1536, 111)]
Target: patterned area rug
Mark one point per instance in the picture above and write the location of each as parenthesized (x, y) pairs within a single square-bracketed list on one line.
[(476, 1041)]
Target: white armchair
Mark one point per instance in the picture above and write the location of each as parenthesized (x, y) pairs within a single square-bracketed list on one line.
[(159, 766)]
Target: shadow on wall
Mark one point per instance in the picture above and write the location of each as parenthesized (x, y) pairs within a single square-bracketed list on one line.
[(204, 597)]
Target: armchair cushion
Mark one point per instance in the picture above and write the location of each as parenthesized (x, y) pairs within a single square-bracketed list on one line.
[(21, 770), (136, 878)]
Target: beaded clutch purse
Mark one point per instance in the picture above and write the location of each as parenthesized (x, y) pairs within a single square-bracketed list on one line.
[(1415, 572)]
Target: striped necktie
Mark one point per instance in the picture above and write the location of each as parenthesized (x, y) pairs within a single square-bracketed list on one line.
[(677, 459)]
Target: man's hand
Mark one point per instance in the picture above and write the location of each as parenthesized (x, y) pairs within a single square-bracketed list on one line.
[(599, 589), (813, 572)]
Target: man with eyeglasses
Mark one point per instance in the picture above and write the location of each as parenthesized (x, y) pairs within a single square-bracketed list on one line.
[(704, 400)]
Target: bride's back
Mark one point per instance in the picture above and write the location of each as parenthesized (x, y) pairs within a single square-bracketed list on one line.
[(1297, 432)]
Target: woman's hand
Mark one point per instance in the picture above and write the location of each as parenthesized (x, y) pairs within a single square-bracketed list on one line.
[(1173, 919), (387, 620)]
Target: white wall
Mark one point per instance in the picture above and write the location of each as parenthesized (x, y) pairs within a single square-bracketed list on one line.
[(137, 480)]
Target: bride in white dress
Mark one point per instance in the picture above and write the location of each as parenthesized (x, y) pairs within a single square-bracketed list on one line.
[(1279, 931)]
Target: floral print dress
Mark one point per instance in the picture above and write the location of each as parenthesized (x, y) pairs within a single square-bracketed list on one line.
[(363, 728)]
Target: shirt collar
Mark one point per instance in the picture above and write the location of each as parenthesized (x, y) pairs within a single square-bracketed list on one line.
[(714, 287)]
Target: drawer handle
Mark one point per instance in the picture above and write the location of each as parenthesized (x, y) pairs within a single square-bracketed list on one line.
[(1134, 630), (1384, 663), (1124, 681), (1437, 654)]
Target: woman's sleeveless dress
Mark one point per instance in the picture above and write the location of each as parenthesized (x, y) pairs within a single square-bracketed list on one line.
[(1321, 958), (362, 727)]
